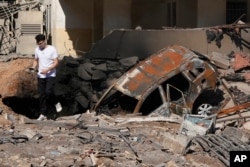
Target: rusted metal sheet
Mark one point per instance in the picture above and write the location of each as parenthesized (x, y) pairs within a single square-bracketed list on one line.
[(157, 67), (234, 109)]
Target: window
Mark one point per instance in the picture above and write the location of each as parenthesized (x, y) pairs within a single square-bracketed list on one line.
[(152, 102), (171, 14), (178, 81), (236, 9)]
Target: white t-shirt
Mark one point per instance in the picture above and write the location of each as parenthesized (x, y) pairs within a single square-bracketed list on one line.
[(45, 60)]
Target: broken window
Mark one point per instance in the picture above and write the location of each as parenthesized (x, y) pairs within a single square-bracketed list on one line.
[(116, 101), (155, 100), (175, 95), (196, 72), (177, 103), (179, 81), (152, 102)]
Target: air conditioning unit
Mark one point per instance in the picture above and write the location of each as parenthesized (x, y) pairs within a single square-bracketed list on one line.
[(29, 24)]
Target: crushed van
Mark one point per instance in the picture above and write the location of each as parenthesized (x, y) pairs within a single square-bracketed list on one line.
[(175, 79)]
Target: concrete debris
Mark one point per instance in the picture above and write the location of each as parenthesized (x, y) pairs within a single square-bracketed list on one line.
[(219, 60), (240, 62), (121, 121), (239, 68), (76, 140), (217, 145)]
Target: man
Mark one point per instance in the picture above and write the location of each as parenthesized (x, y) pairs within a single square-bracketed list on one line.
[(46, 58)]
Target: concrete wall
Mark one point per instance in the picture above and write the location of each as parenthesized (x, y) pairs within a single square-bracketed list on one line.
[(116, 14), (72, 26), (143, 43)]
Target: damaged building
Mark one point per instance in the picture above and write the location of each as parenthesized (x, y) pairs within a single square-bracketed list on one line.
[(141, 82)]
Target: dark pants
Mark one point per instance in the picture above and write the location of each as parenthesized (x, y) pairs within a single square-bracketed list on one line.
[(46, 92)]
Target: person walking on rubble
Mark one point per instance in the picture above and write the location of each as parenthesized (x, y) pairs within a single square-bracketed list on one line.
[(46, 60)]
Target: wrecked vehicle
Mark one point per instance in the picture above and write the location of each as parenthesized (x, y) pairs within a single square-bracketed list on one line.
[(175, 79)]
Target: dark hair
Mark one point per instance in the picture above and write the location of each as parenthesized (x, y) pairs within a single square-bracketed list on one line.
[(40, 37)]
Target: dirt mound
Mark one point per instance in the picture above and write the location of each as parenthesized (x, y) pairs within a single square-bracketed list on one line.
[(13, 80), (14, 77)]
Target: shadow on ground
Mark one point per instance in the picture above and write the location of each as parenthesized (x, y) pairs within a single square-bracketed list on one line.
[(29, 107)]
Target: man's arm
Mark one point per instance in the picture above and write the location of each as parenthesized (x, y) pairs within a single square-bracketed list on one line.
[(53, 66), (35, 63)]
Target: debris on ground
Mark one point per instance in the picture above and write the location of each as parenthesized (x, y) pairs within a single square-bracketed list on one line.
[(79, 135)]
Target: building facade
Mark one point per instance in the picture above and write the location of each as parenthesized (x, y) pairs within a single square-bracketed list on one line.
[(80, 23), (74, 26)]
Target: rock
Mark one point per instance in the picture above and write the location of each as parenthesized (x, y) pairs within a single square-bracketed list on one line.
[(82, 100), (89, 67), (83, 74), (154, 157), (246, 125), (102, 67), (4, 123), (70, 61), (129, 61), (99, 75), (232, 131)]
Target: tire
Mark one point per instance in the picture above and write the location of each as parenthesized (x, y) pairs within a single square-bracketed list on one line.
[(205, 109), (207, 103)]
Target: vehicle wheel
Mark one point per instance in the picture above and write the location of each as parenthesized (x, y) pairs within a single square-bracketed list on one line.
[(205, 109), (207, 103)]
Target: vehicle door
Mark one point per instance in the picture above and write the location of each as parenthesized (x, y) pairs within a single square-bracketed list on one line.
[(155, 103), (176, 100)]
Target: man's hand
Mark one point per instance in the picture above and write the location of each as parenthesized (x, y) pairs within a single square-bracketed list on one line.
[(45, 71), (31, 69)]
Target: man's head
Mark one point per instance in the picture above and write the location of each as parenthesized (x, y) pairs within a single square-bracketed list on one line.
[(41, 41)]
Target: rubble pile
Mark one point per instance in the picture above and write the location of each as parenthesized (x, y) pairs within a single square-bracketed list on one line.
[(218, 145), (91, 139), (234, 68), (238, 67), (82, 81), (239, 96)]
